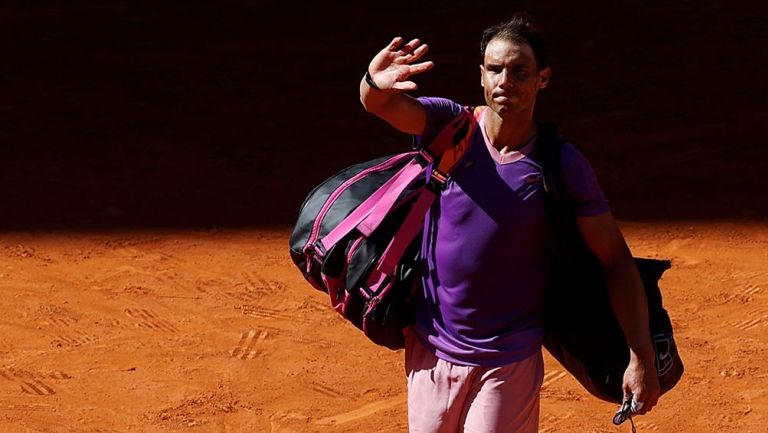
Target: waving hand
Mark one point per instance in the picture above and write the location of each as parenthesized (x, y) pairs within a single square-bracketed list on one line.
[(392, 68)]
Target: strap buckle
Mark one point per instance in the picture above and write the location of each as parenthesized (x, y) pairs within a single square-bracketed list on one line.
[(437, 181), (424, 158)]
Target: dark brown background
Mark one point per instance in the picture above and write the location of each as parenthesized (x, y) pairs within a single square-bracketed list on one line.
[(120, 114)]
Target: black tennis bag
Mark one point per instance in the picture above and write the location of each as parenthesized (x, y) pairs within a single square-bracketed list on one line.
[(358, 235), (348, 262), (582, 332)]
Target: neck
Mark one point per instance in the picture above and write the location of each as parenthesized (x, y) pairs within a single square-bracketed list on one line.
[(511, 131)]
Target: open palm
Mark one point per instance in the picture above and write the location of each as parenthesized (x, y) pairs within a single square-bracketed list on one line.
[(393, 66)]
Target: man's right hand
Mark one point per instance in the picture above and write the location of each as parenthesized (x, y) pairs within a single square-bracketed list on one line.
[(393, 66), (390, 72)]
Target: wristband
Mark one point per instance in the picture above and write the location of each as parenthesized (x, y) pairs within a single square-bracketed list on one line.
[(370, 82)]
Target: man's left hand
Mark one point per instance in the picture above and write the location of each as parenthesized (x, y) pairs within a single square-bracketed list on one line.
[(642, 383)]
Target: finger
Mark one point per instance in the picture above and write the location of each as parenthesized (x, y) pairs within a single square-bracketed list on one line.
[(639, 408), (627, 392), (406, 86), (405, 71), (640, 402), (385, 57), (644, 406), (395, 43), (645, 410), (418, 53), (410, 47), (630, 397), (420, 67)]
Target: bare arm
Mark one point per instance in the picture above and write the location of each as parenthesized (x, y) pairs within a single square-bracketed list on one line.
[(630, 306), (391, 70)]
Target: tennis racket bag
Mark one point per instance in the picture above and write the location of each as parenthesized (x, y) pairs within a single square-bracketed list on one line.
[(581, 330), (358, 235)]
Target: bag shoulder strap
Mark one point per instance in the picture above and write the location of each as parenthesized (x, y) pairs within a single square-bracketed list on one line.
[(559, 209), (451, 144), (550, 148)]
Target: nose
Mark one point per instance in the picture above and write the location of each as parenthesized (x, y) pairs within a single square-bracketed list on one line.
[(506, 79)]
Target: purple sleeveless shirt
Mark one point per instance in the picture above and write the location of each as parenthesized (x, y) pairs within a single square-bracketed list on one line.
[(487, 248)]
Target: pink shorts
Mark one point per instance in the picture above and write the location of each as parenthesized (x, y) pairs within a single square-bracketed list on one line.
[(444, 397)]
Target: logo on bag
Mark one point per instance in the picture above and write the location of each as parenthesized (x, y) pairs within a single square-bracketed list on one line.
[(664, 360)]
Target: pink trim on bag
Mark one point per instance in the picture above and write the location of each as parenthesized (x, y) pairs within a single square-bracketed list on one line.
[(381, 280), (332, 285), (372, 221), (376, 206), (353, 249), (376, 283), (347, 183), (412, 225)]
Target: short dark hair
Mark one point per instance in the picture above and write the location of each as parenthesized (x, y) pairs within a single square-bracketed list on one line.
[(521, 28)]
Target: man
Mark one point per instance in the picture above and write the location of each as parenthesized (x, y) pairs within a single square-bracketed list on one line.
[(473, 354)]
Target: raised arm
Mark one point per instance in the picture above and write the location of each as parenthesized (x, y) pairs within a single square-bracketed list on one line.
[(391, 70)]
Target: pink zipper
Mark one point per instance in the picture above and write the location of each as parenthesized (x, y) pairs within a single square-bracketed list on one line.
[(347, 183), (353, 249)]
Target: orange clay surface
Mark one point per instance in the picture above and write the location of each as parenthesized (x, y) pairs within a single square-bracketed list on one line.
[(216, 331)]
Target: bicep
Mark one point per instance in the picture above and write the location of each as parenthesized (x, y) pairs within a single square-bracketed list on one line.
[(603, 237), (581, 188)]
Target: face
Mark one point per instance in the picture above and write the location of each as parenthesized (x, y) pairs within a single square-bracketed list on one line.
[(510, 78)]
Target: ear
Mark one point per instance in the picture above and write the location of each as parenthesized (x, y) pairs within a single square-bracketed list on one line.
[(482, 71), (544, 76)]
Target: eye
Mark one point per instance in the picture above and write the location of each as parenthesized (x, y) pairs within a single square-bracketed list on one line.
[(520, 72)]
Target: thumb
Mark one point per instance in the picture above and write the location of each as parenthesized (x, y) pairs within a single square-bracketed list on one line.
[(627, 389)]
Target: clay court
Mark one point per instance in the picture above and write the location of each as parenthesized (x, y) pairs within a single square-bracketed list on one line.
[(155, 158)]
